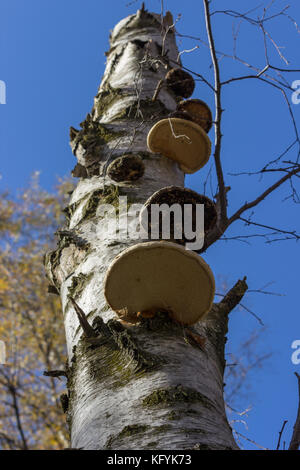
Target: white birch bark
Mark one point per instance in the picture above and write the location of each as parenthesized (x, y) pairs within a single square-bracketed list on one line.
[(148, 386)]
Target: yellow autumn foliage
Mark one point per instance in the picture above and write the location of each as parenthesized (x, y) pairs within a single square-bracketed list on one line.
[(30, 322)]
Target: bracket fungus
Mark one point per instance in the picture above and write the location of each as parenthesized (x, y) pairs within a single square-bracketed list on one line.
[(160, 276), (198, 112), (180, 115), (171, 195), (126, 168), (180, 140), (180, 82)]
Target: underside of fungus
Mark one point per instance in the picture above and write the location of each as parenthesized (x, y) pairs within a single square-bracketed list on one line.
[(177, 195), (180, 140), (198, 112), (180, 82), (156, 276)]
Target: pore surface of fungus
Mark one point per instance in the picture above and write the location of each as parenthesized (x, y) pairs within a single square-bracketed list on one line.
[(126, 168), (180, 140), (198, 111), (177, 195), (160, 276), (180, 82)]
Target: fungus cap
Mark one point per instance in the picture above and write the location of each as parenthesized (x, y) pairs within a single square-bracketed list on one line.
[(160, 276), (199, 112), (180, 140)]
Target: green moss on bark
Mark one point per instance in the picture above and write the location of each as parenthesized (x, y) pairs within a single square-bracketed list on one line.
[(115, 334), (113, 357), (108, 195), (178, 394), (136, 429), (95, 134), (152, 445), (93, 137), (69, 210), (89, 209), (127, 431), (106, 98), (145, 110)]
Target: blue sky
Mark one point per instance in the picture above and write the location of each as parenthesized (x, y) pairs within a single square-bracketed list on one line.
[(52, 61)]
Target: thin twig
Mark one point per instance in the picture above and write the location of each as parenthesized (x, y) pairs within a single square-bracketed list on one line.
[(185, 51), (250, 440), (253, 314), (218, 118), (260, 198), (280, 434), (157, 89), (250, 222), (295, 441)]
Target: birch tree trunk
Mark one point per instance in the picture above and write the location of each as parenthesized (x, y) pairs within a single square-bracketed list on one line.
[(144, 386)]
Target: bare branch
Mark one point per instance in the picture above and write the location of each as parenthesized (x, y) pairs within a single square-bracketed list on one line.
[(9, 441), (253, 314), (260, 198), (186, 51), (16, 409), (260, 291), (250, 222), (284, 70), (250, 440), (218, 118), (234, 296), (55, 373), (250, 20)]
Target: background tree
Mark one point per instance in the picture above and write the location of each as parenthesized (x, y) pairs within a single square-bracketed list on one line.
[(30, 325)]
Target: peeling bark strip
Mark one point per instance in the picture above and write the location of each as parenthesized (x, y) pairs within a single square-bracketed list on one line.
[(153, 384)]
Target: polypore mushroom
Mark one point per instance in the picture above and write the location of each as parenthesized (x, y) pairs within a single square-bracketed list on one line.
[(180, 140), (198, 111), (126, 168), (156, 276), (180, 115), (177, 195), (180, 82)]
